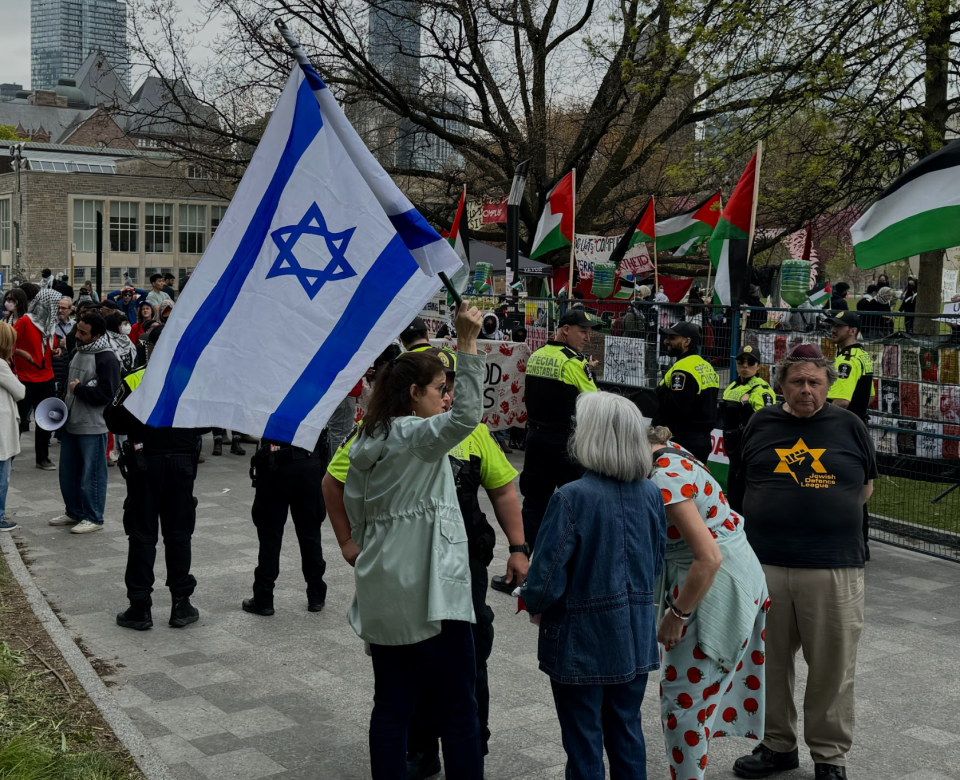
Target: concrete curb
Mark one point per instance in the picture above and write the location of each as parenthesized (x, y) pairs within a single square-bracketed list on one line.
[(142, 751)]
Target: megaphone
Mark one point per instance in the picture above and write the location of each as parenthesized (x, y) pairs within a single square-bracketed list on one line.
[(50, 414)]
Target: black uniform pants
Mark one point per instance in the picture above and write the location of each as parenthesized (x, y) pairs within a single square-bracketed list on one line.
[(423, 734), (736, 481), (699, 445), (160, 500), (546, 466), (35, 393), (294, 487)]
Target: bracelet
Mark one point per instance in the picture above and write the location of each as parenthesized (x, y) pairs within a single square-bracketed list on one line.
[(677, 613)]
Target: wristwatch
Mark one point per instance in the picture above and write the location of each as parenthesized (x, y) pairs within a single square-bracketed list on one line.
[(520, 548)]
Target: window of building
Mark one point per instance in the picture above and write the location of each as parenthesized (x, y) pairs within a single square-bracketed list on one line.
[(116, 277), (217, 214), (148, 272), (158, 227), (193, 229), (134, 274), (147, 143), (85, 224), (124, 226), (5, 225)]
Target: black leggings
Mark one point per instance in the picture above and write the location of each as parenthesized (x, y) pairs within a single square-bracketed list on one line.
[(36, 392)]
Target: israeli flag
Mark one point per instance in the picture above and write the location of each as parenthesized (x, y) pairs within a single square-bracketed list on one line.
[(319, 262)]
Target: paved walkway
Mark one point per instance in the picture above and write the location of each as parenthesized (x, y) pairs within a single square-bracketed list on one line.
[(239, 697)]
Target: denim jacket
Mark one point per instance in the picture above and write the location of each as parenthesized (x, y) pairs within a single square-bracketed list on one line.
[(598, 555)]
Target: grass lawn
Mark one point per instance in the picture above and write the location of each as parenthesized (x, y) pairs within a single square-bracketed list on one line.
[(49, 729), (909, 500)]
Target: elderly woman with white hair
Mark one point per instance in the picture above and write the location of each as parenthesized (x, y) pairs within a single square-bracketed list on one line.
[(599, 552)]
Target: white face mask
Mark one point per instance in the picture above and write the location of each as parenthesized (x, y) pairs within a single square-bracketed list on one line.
[(9, 305), (125, 329)]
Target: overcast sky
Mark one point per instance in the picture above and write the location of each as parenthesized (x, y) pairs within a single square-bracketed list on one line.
[(15, 41)]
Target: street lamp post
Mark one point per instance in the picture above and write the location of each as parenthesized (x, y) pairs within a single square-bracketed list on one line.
[(513, 227)]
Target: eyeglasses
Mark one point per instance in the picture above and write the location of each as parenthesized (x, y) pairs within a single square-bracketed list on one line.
[(747, 361), (443, 390)]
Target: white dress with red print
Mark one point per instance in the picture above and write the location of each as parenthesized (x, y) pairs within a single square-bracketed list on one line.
[(700, 697)]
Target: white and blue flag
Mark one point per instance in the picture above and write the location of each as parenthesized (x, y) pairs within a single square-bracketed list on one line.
[(319, 262)]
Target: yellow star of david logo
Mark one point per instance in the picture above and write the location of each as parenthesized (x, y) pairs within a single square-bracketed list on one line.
[(795, 456)]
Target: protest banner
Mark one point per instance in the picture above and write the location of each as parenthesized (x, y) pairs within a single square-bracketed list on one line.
[(494, 211), (504, 403), (590, 250)]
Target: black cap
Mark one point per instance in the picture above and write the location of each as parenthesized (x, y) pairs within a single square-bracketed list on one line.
[(849, 318), (106, 304), (685, 329), (446, 356), (748, 350), (417, 327), (579, 318)]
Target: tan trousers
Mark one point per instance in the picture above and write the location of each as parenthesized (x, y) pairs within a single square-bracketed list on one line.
[(821, 612)]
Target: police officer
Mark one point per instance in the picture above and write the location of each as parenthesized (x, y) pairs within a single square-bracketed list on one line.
[(744, 396), (688, 393), (160, 466), (477, 462), (287, 479), (556, 374), (414, 336), (854, 386)]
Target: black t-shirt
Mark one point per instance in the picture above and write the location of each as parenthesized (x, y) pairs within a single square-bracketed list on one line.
[(804, 476)]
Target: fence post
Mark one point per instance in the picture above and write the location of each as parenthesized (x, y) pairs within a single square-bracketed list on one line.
[(734, 340)]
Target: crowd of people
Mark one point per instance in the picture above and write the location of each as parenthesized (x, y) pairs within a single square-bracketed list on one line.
[(626, 552)]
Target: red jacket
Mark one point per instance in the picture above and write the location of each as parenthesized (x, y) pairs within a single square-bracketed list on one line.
[(30, 341)]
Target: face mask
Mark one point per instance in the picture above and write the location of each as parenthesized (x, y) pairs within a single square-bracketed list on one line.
[(9, 305), (125, 329)]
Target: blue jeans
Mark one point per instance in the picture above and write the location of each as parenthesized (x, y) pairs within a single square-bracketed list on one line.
[(594, 716), (442, 671), (83, 475), (4, 483)]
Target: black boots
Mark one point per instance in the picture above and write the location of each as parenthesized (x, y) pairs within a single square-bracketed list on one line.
[(217, 446), (136, 617), (183, 613), (764, 762), (422, 765), (235, 448), (255, 608)]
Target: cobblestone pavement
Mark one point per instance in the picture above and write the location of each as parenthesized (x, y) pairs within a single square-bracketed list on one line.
[(239, 697)]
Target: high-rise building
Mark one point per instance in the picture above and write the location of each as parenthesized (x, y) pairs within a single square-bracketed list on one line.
[(64, 32), (9, 92)]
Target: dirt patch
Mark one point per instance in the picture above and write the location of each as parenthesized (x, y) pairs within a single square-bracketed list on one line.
[(45, 696)]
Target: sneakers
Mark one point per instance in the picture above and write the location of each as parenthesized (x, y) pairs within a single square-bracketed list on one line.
[(251, 606), (46, 465), (183, 613), (422, 765), (500, 584), (63, 520), (86, 527), (7, 525), (829, 772), (137, 617), (763, 762), (217, 446)]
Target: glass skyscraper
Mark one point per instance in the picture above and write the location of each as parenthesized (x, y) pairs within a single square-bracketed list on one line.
[(64, 32)]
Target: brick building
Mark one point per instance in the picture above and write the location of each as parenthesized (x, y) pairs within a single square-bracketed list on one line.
[(156, 218)]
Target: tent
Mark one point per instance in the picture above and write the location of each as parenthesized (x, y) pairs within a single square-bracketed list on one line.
[(484, 253)]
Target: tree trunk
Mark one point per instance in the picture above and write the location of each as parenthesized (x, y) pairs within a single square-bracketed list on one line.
[(935, 31)]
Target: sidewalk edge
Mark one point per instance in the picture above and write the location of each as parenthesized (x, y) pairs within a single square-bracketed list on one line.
[(143, 753)]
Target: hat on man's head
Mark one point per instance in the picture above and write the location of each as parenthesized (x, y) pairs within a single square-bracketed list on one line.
[(579, 318), (417, 328), (849, 318), (805, 353), (687, 330)]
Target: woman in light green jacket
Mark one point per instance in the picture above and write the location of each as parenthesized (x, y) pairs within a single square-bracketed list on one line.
[(413, 600)]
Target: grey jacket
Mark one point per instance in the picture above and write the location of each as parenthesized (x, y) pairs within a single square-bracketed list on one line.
[(99, 373)]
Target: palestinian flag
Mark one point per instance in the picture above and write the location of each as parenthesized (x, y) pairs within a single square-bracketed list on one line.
[(628, 289), (459, 238), (555, 229), (819, 296), (642, 230), (690, 228), (919, 212), (730, 242)]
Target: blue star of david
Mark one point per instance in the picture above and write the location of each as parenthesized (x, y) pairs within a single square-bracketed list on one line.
[(312, 280)]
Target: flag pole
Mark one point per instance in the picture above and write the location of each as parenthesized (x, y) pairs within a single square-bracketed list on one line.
[(756, 197), (709, 261), (573, 234), (301, 58), (656, 272)]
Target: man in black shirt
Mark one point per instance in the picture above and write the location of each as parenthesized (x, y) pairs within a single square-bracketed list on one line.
[(809, 469)]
